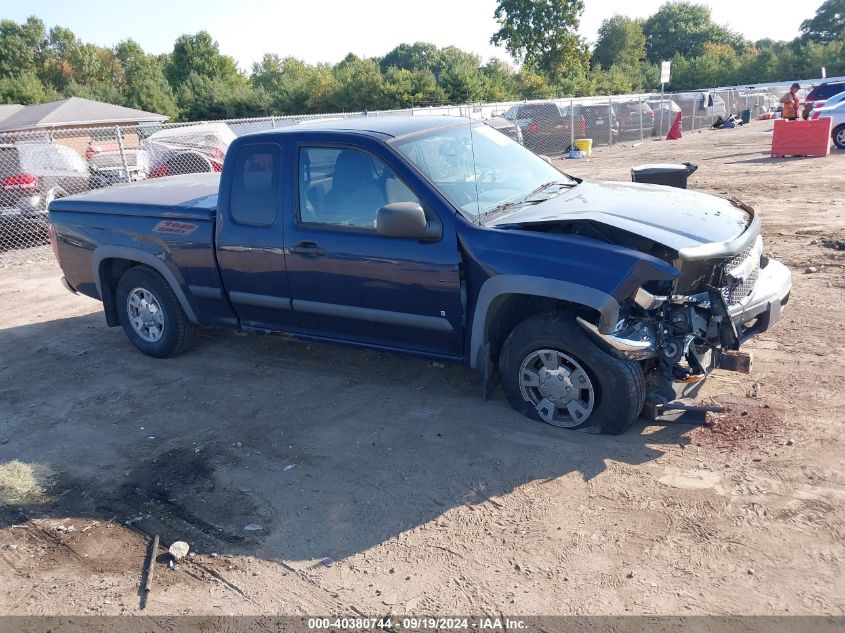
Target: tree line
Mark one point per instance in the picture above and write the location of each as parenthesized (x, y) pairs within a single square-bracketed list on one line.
[(195, 81)]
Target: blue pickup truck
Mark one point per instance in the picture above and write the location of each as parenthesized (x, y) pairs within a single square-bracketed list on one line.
[(435, 237)]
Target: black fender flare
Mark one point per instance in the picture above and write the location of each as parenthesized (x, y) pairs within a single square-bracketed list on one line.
[(147, 259), (568, 291)]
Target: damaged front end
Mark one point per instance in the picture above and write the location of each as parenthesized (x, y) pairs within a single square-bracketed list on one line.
[(726, 293)]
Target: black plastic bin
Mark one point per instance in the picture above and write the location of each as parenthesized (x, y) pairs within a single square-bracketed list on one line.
[(669, 174)]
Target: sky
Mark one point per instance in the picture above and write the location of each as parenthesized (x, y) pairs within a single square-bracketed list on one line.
[(326, 30)]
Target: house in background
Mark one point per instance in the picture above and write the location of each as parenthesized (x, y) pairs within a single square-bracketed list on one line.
[(75, 112), (8, 109), (76, 122)]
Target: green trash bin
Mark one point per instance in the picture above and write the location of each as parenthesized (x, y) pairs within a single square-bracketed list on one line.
[(745, 115)]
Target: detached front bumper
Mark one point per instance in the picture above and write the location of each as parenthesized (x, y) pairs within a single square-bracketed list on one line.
[(762, 308)]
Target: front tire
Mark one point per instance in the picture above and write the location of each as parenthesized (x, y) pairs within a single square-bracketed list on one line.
[(552, 372), (151, 315)]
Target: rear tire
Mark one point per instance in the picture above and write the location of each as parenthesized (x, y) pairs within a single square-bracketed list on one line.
[(611, 398), (839, 136), (151, 314)]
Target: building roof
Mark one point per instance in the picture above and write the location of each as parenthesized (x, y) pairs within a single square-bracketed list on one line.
[(8, 109), (74, 111)]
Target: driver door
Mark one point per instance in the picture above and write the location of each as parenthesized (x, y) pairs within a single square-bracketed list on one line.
[(349, 283)]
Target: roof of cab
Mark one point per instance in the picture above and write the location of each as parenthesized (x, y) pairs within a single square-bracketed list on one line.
[(391, 126)]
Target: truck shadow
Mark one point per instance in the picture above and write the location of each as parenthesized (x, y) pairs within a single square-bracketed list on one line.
[(267, 447)]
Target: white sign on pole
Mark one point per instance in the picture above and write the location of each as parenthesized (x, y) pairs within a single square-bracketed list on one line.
[(665, 70)]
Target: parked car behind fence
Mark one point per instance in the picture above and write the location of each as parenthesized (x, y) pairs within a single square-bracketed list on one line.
[(837, 113), (700, 109), (31, 176), (189, 149), (818, 96)]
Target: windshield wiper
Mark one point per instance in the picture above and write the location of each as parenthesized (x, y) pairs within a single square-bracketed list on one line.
[(528, 197), (545, 186), (501, 207)]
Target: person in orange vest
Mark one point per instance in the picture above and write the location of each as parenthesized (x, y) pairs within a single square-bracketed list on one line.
[(790, 103)]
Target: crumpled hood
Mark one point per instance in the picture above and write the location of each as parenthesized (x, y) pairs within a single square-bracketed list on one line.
[(676, 218)]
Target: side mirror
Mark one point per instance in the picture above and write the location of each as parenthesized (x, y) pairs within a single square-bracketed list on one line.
[(406, 220)]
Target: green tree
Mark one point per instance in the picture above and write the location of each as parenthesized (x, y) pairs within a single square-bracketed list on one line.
[(143, 83), (199, 54), (499, 81), (25, 89), (717, 65), (286, 82), (620, 41), (360, 84), (683, 28), (202, 98), (533, 85), (460, 77), (21, 46), (416, 56), (62, 46), (828, 24), (542, 33)]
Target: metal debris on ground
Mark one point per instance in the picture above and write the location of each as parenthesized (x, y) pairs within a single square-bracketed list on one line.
[(148, 585)]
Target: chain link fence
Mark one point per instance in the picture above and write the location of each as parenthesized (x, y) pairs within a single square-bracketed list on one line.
[(37, 166)]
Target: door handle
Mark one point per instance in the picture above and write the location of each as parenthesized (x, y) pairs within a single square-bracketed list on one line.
[(307, 248)]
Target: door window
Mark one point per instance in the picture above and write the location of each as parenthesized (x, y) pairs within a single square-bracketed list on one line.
[(255, 185), (346, 187)]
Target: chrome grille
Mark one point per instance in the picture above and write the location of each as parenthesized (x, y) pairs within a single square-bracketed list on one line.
[(748, 262)]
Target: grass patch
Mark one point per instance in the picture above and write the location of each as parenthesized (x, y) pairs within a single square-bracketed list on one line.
[(22, 484)]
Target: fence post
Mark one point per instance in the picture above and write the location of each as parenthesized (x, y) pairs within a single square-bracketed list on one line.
[(662, 108), (610, 122), (273, 121), (640, 108), (571, 121), (122, 152), (694, 108)]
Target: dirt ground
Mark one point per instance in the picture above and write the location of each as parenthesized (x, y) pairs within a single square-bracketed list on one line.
[(318, 480)]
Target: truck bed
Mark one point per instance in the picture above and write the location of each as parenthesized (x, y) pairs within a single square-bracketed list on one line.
[(188, 196), (164, 223)]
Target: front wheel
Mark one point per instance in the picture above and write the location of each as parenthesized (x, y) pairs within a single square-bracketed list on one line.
[(839, 136), (151, 315), (552, 372)]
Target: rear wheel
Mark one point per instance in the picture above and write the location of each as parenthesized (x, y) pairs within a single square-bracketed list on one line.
[(151, 315), (552, 372), (839, 136)]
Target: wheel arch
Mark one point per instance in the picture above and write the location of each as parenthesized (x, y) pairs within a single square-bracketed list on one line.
[(110, 262), (506, 300)]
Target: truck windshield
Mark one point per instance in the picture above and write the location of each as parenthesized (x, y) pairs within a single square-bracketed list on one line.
[(479, 169)]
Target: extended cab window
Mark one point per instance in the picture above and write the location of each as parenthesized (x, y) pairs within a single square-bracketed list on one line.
[(255, 185), (346, 187)]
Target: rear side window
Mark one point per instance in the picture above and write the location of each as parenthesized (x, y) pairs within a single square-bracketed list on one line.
[(254, 198), (540, 111), (37, 158), (825, 92)]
